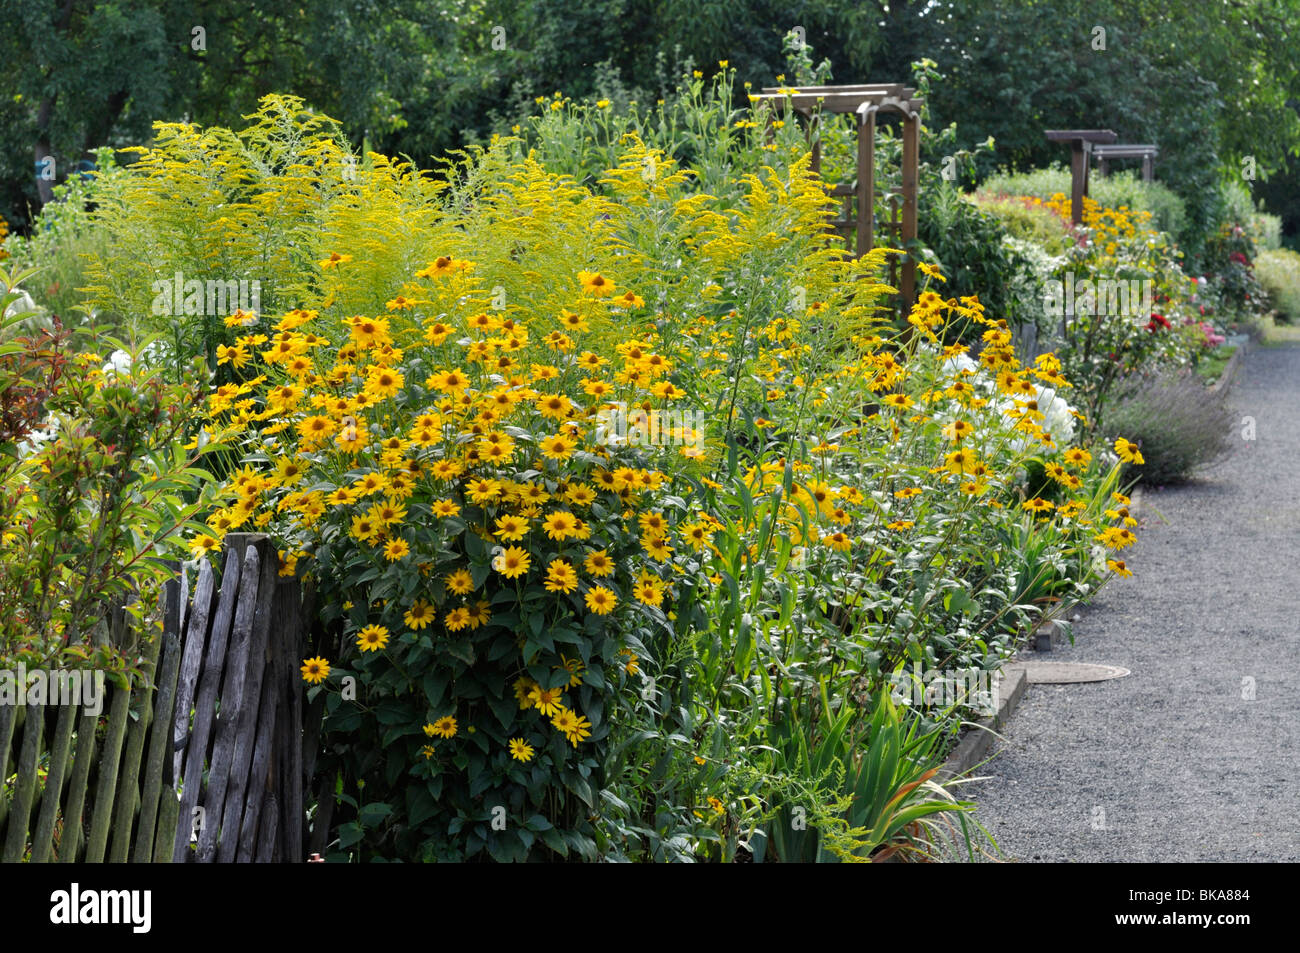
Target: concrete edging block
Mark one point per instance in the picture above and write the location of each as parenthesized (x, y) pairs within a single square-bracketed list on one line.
[(975, 744)]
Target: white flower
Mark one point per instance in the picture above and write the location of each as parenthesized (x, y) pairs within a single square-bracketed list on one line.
[(119, 362)]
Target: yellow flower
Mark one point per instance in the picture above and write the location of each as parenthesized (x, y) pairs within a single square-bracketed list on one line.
[(444, 727), (512, 562), (511, 528), (203, 544), (396, 549), (601, 600), (419, 615), (596, 285), (574, 667), (315, 670), (599, 564), (1118, 567), (520, 750), (445, 508), (574, 726), (549, 701), (649, 590), (459, 582), (372, 638), (560, 525), (561, 576), (1128, 452)]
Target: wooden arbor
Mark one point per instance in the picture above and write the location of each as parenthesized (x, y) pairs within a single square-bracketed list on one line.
[(1081, 143), (865, 101), (1147, 153)]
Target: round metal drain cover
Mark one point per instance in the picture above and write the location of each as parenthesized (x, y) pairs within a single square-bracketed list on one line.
[(1069, 673)]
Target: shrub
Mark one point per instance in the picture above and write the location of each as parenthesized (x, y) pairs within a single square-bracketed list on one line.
[(1279, 272), (593, 636), (1120, 190), (96, 486), (1026, 221), (1177, 423)]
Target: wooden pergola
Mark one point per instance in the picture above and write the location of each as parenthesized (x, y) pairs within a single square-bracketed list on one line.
[(1082, 142), (865, 101), (1147, 153)]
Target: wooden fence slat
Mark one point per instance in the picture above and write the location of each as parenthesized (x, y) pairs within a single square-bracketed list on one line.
[(25, 788), (111, 758), (232, 703), (266, 848), (128, 797), (168, 810), (205, 705), (261, 780), (246, 729), (60, 747), (175, 595), (8, 720), (195, 641), (70, 842)]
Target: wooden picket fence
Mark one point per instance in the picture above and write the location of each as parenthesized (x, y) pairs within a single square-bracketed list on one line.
[(204, 765)]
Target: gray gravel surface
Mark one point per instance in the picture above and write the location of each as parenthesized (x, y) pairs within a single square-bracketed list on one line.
[(1177, 761)]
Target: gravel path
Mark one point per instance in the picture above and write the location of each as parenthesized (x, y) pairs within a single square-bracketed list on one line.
[(1176, 762)]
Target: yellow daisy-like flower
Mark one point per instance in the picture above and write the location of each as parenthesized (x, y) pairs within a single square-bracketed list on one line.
[(1128, 451), (1077, 456), (372, 638), (511, 528), (1118, 567), (512, 562), (574, 667), (315, 670), (595, 284), (572, 725), (457, 619), (334, 260), (203, 544), (459, 582), (444, 727), (557, 447), (396, 549), (599, 564), (656, 547), (958, 430), (549, 701), (1037, 505), (840, 542), (520, 750), (907, 492), (419, 615), (649, 590), (601, 600), (446, 508), (560, 525), (561, 576)]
